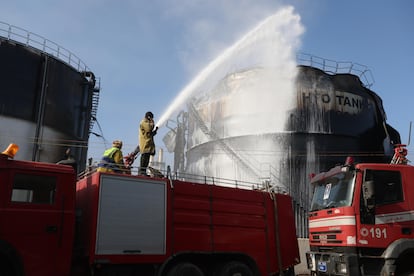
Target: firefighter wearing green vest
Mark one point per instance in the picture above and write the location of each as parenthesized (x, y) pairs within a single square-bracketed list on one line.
[(112, 159)]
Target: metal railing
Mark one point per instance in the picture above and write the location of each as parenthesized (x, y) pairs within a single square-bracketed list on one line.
[(29, 39), (179, 176), (337, 67)]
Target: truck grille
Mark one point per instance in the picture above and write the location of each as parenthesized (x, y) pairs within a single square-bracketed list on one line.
[(323, 237)]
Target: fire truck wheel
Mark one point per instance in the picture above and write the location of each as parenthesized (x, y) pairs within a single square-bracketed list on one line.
[(10, 262), (6, 268), (185, 269), (235, 268), (407, 273)]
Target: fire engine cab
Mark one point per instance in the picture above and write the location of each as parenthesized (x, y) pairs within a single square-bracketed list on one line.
[(361, 219)]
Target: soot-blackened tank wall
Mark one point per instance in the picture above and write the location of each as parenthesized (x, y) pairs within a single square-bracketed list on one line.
[(45, 104), (340, 105)]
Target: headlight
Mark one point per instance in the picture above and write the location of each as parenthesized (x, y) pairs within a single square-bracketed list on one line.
[(341, 268)]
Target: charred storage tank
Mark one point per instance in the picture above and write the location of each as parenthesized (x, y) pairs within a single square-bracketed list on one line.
[(48, 98), (330, 117)]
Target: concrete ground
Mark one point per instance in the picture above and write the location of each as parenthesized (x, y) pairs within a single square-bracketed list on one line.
[(302, 268)]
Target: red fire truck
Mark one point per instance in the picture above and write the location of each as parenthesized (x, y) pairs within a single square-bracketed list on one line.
[(119, 224), (361, 219)]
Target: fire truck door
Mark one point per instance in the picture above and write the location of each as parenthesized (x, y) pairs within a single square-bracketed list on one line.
[(31, 221), (388, 218), (131, 216)]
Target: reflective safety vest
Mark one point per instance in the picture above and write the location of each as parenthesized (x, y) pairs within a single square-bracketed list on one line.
[(108, 161)]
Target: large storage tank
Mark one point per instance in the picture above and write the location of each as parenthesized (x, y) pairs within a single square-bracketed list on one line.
[(49, 98), (232, 134)]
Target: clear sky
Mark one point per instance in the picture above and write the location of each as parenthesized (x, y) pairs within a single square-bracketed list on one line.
[(146, 52)]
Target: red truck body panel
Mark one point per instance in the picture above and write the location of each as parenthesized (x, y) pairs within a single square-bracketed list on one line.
[(195, 218)]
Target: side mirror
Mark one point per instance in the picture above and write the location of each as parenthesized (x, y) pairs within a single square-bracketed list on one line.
[(368, 192)]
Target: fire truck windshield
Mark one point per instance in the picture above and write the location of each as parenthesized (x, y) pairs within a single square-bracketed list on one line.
[(333, 191)]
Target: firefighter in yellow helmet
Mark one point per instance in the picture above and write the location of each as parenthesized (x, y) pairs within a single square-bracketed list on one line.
[(147, 131), (112, 159)]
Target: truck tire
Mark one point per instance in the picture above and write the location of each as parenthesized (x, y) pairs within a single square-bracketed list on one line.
[(6, 268), (289, 272), (407, 273), (10, 261), (405, 266), (185, 269), (235, 268)]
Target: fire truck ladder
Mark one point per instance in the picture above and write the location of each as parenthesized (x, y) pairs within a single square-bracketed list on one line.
[(214, 137)]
